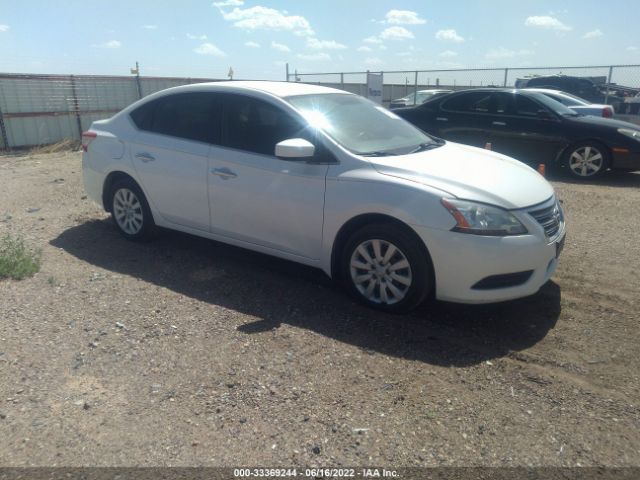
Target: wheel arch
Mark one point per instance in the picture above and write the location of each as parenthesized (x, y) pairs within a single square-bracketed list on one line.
[(109, 181), (359, 221), (562, 155)]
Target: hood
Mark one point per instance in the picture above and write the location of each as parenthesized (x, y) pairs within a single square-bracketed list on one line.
[(470, 173)]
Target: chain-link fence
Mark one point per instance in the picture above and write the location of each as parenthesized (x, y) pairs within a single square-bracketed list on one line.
[(619, 83), (44, 109)]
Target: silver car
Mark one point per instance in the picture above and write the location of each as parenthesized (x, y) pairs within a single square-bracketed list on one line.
[(577, 104)]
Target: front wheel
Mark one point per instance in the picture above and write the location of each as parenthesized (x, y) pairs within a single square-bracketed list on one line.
[(130, 211), (587, 160), (385, 267)]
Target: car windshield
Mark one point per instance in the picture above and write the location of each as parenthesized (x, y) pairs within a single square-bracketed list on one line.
[(424, 96), (577, 100), (360, 125), (552, 104)]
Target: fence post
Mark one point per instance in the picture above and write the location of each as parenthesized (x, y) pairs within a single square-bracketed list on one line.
[(415, 89), (286, 69), (138, 84), (3, 131), (506, 76), (342, 80), (76, 105), (606, 95)]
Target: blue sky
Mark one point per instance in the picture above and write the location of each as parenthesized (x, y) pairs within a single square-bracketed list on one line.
[(257, 37)]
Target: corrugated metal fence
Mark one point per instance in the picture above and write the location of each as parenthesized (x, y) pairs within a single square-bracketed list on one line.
[(44, 109)]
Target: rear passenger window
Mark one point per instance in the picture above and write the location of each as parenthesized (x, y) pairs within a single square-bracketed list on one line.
[(143, 115), (477, 102), (500, 103), (256, 126), (191, 116)]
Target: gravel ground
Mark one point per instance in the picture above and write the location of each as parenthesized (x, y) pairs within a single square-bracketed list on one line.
[(189, 352)]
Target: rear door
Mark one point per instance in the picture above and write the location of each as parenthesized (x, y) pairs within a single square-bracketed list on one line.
[(171, 153)]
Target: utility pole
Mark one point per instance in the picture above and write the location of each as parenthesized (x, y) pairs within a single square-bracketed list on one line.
[(136, 71)]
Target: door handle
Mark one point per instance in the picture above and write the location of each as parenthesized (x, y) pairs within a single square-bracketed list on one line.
[(442, 119), (223, 173), (145, 157), (500, 124)]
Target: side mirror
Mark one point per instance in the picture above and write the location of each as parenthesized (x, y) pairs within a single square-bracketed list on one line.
[(295, 149)]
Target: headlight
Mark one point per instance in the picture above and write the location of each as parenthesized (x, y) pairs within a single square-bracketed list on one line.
[(628, 132), (479, 219)]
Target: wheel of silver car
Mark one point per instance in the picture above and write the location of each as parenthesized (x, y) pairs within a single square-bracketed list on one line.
[(130, 210), (127, 211), (380, 271), (587, 160), (387, 267)]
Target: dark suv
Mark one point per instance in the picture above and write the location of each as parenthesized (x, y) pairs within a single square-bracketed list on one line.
[(581, 87)]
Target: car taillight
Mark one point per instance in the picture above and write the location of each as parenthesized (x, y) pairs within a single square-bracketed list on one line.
[(87, 138), (607, 113)]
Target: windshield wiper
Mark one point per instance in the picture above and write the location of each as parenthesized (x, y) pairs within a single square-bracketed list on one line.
[(379, 153), (426, 146)]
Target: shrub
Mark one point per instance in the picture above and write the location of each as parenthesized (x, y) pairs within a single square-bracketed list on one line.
[(17, 261)]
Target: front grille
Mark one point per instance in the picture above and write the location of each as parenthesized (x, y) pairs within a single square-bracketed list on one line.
[(550, 218)]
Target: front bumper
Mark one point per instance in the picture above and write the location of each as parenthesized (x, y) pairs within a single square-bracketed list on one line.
[(461, 261), (626, 160)]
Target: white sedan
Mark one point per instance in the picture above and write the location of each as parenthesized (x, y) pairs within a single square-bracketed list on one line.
[(577, 104), (417, 98), (332, 180)]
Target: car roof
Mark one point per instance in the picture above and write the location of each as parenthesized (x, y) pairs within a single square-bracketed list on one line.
[(490, 89), (548, 90), (502, 89), (279, 89)]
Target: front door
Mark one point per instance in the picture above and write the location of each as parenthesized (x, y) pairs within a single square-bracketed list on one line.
[(255, 196), (526, 136)]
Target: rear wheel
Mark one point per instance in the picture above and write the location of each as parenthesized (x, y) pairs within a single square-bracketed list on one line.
[(130, 211), (587, 160), (386, 268)]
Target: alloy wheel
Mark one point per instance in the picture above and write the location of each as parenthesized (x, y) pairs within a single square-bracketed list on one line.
[(127, 211), (586, 161), (380, 271)]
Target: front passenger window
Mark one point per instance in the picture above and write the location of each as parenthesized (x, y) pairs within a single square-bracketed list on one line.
[(257, 126), (526, 107)]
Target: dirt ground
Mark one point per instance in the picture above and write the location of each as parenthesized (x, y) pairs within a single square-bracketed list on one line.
[(188, 352)]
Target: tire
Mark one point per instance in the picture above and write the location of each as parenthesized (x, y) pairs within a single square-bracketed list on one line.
[(587, 160), (130, 211), (390, 286)]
